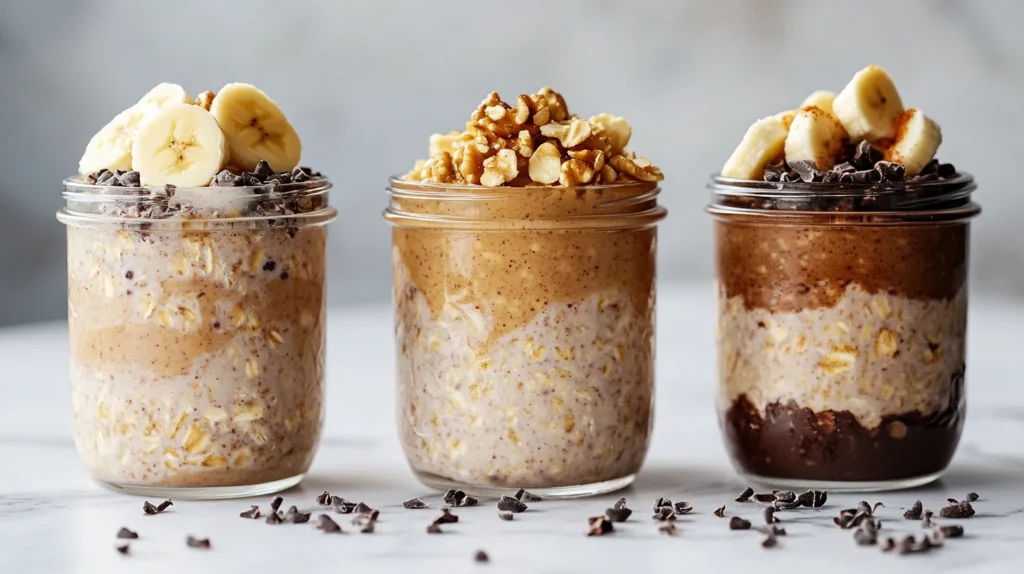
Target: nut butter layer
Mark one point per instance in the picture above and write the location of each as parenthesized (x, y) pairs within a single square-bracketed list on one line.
[(793, 267), (197, 357)]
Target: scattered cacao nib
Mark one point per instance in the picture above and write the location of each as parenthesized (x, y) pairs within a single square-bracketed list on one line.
[(669, 529), (875, 507), (295, 517), (770, 541), (148, 508), (914, 512), (866, 156), (720, 511), (952, 501), (659, 503), (806, 499), (807, 170), (446, 517), (327, 524), (274, 517), (784, 495), (599, 526), (454, 497), (253, 513), (126, 534), (865, 537), (276, 503), (529, 497), (779, 505), (506, 515), (769, 515), (887, 544), (226, 179), (664, 513), (960, 510), (891, 172), (620, 503), (470, 501), (777, 530), (434, 529), (946, 170), (194, 542), (766, 498), (262, 170), (362, 508), (511, 504), (481, 557), (368, 527), (414, 504), (845, 167), (971, 497), (683, 508), (123, 548), (737, 523), (906, 545), (952, 530), (324, 498), (342, 506), (745, 495), (820, 496), (618, 514)]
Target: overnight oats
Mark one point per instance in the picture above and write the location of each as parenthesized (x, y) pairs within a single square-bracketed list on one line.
[(842, 257), (196, 297), (524, 266)]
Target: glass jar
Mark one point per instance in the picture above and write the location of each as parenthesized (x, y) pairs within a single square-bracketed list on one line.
[(841, 329), (196, 321), (524, 334)]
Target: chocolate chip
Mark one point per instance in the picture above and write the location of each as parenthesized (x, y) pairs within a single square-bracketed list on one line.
[(765, 498), (971, 497), (276, 503), (324, 498), (130, 179), (327, 524), (946, 170), (284, 275), (599, 526), (263, 170), (618, 514), (506, 515), (960, 510), (720, 511), (620, 503), (511, 504), (269, 266), (123, 548), (481, 557), (434, 529), (446, 517), (194, 542), (274, 517), (253, 513), (866, 156), (661, 502), (126, 534), (103, 177), (914, 512), (745, 495), (669, 529), (891, 171), (454, 497), (414, 504), (737, 523), (952, 531), (683, 508)]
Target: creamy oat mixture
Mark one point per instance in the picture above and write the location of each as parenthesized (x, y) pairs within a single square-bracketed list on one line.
[(196, 357), (525, 339), (871, 354)]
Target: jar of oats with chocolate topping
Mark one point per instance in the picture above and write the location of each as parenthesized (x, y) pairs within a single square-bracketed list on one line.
[(196, 298), (524, 267)]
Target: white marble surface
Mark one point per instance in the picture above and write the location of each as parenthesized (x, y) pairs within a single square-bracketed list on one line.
[(54, 519)]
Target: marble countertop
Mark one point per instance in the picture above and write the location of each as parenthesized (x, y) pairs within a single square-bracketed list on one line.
[(54, 519)]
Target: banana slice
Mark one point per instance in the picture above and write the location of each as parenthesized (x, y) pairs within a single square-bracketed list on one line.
[(786, 117), (917, 139), (822, 99), (763, 143), (815, 135), (255, 128), (111, 147), (166, 94), (869, 105), (182, 145)]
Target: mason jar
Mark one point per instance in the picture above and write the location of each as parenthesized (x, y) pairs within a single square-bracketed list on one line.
[(196, 322), (842, 324), (524, 334)]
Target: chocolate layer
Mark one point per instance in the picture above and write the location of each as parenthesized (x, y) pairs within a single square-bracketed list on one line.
[(793, 442), (792, 267)]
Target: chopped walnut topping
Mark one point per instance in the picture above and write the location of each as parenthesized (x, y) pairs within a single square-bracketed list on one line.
[(537, 137)]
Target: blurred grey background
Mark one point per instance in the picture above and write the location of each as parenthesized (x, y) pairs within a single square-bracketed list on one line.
[(366, 82)]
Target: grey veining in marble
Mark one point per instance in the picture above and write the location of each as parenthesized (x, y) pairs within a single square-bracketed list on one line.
[(54, 519), (367, 81)]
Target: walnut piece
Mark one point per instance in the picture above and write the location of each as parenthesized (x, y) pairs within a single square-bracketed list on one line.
[(537, 136)]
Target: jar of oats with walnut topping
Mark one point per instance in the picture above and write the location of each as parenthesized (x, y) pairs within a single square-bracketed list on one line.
[(524, 266)]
